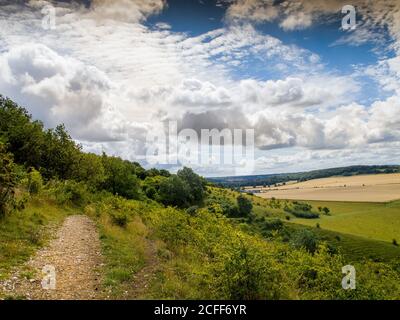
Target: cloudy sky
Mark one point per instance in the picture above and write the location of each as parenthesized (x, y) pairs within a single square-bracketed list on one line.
[(316, 95)]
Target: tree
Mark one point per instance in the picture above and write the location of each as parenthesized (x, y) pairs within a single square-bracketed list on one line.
[(195, 183), (89, 168), (175, 191), (120, 178), (8, 180), (326, 210), (151, 186), (60, 154), (23, 136), (245, 206)]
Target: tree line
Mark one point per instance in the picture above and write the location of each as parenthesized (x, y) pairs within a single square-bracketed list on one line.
[(26, 146)]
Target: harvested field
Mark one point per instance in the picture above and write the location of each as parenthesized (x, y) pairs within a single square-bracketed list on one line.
[(366, 188)]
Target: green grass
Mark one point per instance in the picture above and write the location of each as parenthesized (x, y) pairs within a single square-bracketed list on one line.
[(365, 229), (355, 248), (23, 232), (375, 221), (123, 250)]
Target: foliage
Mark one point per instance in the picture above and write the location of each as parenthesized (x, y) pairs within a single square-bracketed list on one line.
[(305, 239), (35, 181), (301, 210), (120, 178), (89, 168), (70, 192), (244, 205), (196, 184), (8, 181)]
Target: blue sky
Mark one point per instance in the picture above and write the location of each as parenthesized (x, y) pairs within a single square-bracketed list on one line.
[(201, 16), (114, 72)]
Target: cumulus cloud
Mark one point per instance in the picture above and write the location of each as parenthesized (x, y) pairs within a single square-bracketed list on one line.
[(111, 78), (301, 14), (57, 89), (126, 10)]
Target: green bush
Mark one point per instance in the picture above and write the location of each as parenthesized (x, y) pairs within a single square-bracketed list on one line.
[(71, 192), (119, 218), (35, 181), (245, 206), (8, 181), (301, 210), (305, 239)]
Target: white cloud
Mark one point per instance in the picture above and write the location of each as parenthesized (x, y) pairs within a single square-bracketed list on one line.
[(57, 89), (110, 79)]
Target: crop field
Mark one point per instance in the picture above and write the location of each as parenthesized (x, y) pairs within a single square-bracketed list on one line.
[(365, 188), (379, 221)]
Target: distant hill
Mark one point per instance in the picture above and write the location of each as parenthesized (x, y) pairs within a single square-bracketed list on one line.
[(271, 179)]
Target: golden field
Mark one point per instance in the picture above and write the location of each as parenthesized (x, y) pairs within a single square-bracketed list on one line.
[(363, 188)]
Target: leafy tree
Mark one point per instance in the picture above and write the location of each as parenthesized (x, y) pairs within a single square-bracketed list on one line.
[(151, 186), (140, 172), (8, 180), (244, 205), (175, 191), (24, 137), (326, 210), (89, 168), (195, 182), (165, 173), (120, 178), (60, 154)]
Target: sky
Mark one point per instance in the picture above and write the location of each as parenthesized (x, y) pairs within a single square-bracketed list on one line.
[(116, 71)]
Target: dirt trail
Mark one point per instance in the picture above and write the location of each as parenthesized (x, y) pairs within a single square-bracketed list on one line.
[(75, 254), (143, 278)]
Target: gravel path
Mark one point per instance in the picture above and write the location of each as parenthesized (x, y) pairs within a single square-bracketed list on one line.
[(75, 255)]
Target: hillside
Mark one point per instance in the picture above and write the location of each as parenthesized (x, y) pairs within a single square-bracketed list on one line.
[(129, 233)]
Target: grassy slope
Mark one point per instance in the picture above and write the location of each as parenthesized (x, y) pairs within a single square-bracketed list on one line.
[(377, 221), (355, 248), (365, 229), (184, 245), (22, 233)]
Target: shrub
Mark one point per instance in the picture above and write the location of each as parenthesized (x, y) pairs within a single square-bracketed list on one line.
[(272, 224), (248, 273), (305, 239), (192, 210), (119, 218), (8, 180), (326, 211), (301, 210), (35, 181), (72, 192), (395, 242), (244, 205)]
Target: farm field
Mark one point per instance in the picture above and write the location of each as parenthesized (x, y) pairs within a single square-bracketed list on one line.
[(355, 248), (365, 188), (378, 221)]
